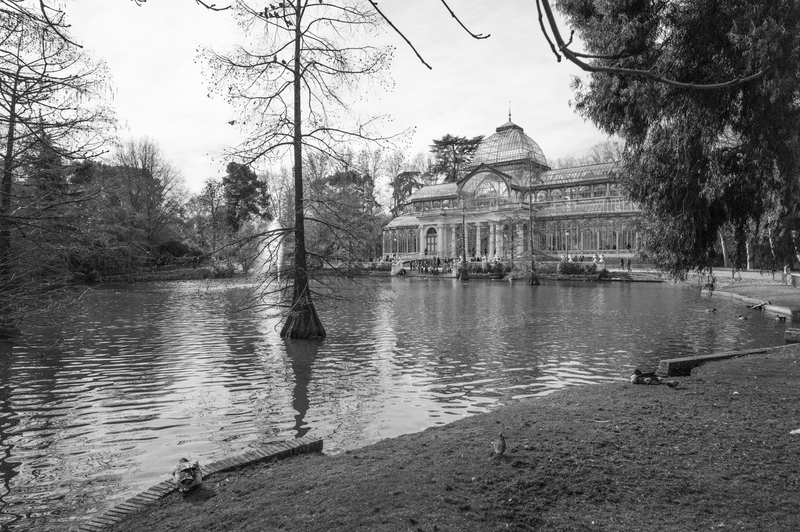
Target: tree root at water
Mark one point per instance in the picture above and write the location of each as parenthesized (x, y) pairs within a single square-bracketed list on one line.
[(303, 322)]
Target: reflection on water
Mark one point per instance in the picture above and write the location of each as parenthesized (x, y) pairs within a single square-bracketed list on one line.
[(153, 373)]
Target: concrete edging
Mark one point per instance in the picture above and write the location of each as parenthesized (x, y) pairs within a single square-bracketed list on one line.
[(681, 367), (268, 452), (777, 309)]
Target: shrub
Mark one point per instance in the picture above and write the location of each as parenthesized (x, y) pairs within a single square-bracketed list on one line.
[(547, 268), (174, 248), (221, 270), (576, 268)]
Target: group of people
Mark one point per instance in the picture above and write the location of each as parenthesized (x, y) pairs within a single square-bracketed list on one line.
[(597, 259), (576, 258), (433, 265)]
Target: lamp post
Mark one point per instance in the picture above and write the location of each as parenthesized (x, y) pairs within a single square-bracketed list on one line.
[(464, 273), (533, 279)]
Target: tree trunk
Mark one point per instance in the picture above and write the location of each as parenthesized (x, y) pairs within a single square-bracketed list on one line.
[(302, 321), (8, 326), (533, 279), (463, 274), (724, 250), (749, 249)]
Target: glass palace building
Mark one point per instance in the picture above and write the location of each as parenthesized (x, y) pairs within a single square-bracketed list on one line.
[(507, 190)]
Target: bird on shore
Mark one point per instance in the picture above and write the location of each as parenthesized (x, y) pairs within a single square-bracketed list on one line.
[(499, 446), (638, 377), (187, 475), (780, 318)]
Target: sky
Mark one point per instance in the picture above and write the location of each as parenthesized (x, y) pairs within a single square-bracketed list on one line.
[(160, 91)]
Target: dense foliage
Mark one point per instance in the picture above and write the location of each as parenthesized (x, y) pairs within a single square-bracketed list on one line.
[(704, 164), (351, 231), (246, 196), (403, 185), (452, 154)]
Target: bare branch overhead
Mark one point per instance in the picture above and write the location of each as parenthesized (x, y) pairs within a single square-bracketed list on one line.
[(575, 58)]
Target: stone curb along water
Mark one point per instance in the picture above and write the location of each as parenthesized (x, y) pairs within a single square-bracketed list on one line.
[(272, 451), (681, 367), (766, 305)]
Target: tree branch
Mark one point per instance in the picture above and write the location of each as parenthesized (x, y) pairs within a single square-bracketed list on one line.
[(574, 57), (400, 33), (473, 35)]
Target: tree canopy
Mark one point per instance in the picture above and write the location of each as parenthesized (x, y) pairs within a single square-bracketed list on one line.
[(452, 154), (246, 196), (699, 162), (403, 185)]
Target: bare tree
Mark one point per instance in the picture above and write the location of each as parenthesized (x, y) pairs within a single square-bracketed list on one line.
[(207, 214), (396, 162), (603, 152), (291, 84), (149, 190), (50, 111)]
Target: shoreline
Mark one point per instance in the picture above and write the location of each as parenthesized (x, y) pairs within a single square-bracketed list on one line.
[(609, 399), (718, 451)]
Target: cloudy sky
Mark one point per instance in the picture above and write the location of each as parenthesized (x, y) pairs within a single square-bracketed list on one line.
[(160, 90)]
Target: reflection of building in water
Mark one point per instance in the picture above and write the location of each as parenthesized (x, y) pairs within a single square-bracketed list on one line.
[(574, 211)]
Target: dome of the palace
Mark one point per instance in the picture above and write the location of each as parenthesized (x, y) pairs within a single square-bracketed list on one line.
[(509, 143)]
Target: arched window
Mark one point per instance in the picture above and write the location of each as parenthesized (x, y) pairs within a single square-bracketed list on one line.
[(430, 241), (584, 192), (613, 190), (541, 196), (555, 195), (486, 190), (486, 186)]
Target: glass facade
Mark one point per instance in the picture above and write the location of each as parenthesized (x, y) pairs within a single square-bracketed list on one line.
[(575, 211), (509, 143)]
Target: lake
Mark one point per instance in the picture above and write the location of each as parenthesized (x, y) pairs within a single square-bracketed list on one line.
[(103, 407)]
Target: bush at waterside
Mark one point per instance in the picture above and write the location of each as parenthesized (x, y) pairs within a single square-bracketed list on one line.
[(576, 268)]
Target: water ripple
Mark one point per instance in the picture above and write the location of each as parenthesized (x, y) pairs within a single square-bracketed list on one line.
[(153, 373)]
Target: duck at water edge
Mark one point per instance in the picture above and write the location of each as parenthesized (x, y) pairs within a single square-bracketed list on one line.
[(187, 475)]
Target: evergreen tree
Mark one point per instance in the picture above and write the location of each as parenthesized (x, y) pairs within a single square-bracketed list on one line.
[(452, 155), (712, 133), (403, 185), (246, 195)]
